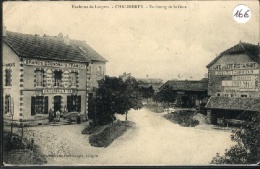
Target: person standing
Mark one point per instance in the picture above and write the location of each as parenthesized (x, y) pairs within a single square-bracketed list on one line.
[(58, 115), (51, 115)]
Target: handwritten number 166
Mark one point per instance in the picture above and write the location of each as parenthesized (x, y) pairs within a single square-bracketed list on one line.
[(239, 14)]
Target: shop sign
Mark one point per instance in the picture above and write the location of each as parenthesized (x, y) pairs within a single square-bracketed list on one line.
[(230, 66), (56, 91), (245, 78), (33, 62), (236, 72)]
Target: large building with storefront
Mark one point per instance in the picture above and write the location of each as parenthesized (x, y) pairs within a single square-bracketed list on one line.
[(234, 82), (40, 73)]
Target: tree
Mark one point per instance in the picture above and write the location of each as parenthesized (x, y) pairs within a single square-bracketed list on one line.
[(247, 149), (113, 95), (133, 95), (166, 95), (147, 92)]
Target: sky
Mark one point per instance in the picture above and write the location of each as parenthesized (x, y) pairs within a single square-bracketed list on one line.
[(146, 42)]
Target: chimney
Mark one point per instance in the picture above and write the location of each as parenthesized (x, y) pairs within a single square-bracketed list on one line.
[(4, 31), (66, 40), (36, 39), (60, 35)]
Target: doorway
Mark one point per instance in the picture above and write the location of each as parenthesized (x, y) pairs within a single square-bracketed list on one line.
[(57, 103)]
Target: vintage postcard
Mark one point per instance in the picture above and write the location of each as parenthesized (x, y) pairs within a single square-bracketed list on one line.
[(130, 83)]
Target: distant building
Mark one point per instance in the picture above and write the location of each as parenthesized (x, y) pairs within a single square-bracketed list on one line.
[(190, 93), (147, 82), (234, 82)]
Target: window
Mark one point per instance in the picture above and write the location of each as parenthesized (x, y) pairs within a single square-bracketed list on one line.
[(8, 103), (57, 78), (39, 78), (8, 77), (90, 69), (99, 70), (39, 105), (74, 103), (73, 77)]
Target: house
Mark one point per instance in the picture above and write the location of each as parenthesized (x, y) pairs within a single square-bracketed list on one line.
[(189, 93), (147, 82), (40, 73), (234, 82)]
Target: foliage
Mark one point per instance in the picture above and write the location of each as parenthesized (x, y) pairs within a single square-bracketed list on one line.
[(166, 94), (109, 134), (246, 151), (146, 92), (12, 141), (183, 118), (113, 96)]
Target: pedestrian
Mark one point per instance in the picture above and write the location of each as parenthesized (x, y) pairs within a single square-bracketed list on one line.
[(51, 115), (57, 115)]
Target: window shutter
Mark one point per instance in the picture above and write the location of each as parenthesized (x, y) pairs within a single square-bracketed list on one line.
[(46, 106), (33, 106), (69, 103), (6, 102), (8, 77), (78, 103)]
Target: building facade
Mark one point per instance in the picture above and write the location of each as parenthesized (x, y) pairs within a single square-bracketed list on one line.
[(41, 73), (189, 93), (234, 82)]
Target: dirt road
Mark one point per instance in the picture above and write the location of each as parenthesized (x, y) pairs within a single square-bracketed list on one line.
[(154, 141)]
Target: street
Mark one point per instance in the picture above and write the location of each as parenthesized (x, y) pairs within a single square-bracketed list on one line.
[(153, 141)]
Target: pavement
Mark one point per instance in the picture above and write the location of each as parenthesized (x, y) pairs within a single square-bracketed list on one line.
[(154, 141)]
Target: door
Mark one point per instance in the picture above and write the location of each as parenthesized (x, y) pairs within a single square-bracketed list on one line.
[(57, 103)]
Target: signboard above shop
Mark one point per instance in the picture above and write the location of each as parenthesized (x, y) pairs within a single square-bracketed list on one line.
[(33, 62), (232, 66)]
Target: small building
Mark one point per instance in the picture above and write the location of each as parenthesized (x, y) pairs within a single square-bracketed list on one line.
[(189, 93), (40, 73), (147, 82), (234, 82)]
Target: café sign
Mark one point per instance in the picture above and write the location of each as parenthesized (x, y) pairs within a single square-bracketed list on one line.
[(56, 91), (33, 62)]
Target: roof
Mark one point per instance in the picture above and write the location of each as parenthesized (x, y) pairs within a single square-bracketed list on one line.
[(252, 50), (149, 80), (187, 85), (230, 103), (85, 49), (34, 46)]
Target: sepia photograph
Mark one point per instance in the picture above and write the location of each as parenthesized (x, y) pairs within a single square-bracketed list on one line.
[(130, 83)]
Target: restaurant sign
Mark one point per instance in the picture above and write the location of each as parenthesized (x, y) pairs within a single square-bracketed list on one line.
[(33, 62), (56, 91), (231, 66), (237, 72)]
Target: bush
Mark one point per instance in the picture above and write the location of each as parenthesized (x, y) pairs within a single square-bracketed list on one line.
[(109, 134), (13, 141), (154, 108), (247, 149), (183, 118)]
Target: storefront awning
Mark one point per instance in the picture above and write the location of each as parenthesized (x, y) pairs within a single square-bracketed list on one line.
[(230, 103)]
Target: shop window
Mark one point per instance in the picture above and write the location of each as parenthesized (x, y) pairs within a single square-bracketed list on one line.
[(8, 77), (57, 78), (74, 103), (39, 78), (39, 105), (243, 95), (8, 103), (73, 77)]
